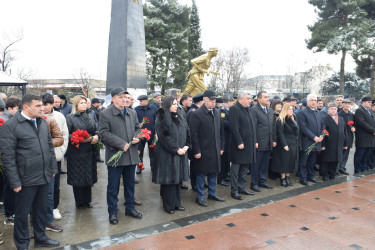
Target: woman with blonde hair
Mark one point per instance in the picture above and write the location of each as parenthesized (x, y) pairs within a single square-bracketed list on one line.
[(285, 157), (81, 171)]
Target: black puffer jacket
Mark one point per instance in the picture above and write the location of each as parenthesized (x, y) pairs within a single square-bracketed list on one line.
[(170, 167), (27, 153), (81, 164)]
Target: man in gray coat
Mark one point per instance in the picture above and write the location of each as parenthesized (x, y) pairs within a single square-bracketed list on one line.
[(118, 129), (265, 141), (29, 161)]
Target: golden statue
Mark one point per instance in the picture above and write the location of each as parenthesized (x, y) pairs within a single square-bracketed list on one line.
[(196, 74)]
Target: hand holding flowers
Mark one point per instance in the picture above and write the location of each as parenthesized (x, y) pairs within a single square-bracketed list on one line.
[(309, 149)]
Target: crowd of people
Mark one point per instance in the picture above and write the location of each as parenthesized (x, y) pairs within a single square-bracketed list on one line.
[(206, 139)]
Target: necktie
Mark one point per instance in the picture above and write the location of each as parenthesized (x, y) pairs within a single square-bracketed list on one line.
[(211, 111), (265, 110), (369, 112), (34, 121)]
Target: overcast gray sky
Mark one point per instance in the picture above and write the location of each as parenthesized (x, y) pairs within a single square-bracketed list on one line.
[(60, 37)]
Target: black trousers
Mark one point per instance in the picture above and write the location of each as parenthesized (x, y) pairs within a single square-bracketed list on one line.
[(82, 195), (225, 167), (34, 198), (150, 152), (328, 169), (56, 188), (171, 196)]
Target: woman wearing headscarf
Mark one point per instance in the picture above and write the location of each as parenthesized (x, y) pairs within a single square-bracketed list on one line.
[(81, 166), (171, 158)]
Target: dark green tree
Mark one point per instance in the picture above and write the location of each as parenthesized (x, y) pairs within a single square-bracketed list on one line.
[(166, 31), (333, 30), (195, 43), (364, 50), (354, 86)]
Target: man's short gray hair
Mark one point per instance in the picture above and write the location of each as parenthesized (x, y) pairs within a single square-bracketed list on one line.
[(242, 94), (310, 96)]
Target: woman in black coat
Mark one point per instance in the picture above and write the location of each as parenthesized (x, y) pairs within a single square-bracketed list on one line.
[(334, 144), (81, 163), (171, 158), (285, 154)]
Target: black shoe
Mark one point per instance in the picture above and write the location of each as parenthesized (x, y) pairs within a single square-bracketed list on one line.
[(133, 214), (255, 188), (223, 183), (179, 208), (283, 182), (236, 196), (139, 171), (63, 172), (325, 178), (87, 205), (314, 180), (265, 185), (245, 191), (303, 182), (332, 177), (183, 186), (341, 171), (47, 243), (201, 202), (227, 179), (288, 181), (194, 188), (80, 206), (169, 212), (215, 198), (113, 219)]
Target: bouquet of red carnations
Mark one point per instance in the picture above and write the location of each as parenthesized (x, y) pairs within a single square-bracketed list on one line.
[(145, 134), (2, 122), (78, 137), (309, 149), (154, 141), (350, 124)]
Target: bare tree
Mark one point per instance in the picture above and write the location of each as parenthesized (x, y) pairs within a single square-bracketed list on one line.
[(7, 49), (231, 66), (86, 82)]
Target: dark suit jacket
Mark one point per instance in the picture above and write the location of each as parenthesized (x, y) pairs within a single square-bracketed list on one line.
[(207, 137), (348, 117), (365, 128), (242, 129), (311, 124), (265, 127)]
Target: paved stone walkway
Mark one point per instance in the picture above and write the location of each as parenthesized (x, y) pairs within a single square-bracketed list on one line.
[(341, 216)]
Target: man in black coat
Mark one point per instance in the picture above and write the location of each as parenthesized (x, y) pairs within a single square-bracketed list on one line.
[(242, 144), (265, 138), (225, 163), (334, 143), (207, 136), (350, 130), (146, 110), (29, 161), (365, 140), (311, 127), (198, 102)]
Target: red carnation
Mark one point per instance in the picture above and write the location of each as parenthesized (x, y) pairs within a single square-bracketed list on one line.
[(145, 120), (350, 123), (1, 122), (325, 131)]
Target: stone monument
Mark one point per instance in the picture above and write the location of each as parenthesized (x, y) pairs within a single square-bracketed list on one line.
[(126, 66)]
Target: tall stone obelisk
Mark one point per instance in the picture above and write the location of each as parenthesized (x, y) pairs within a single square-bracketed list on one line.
[(126, 66)]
